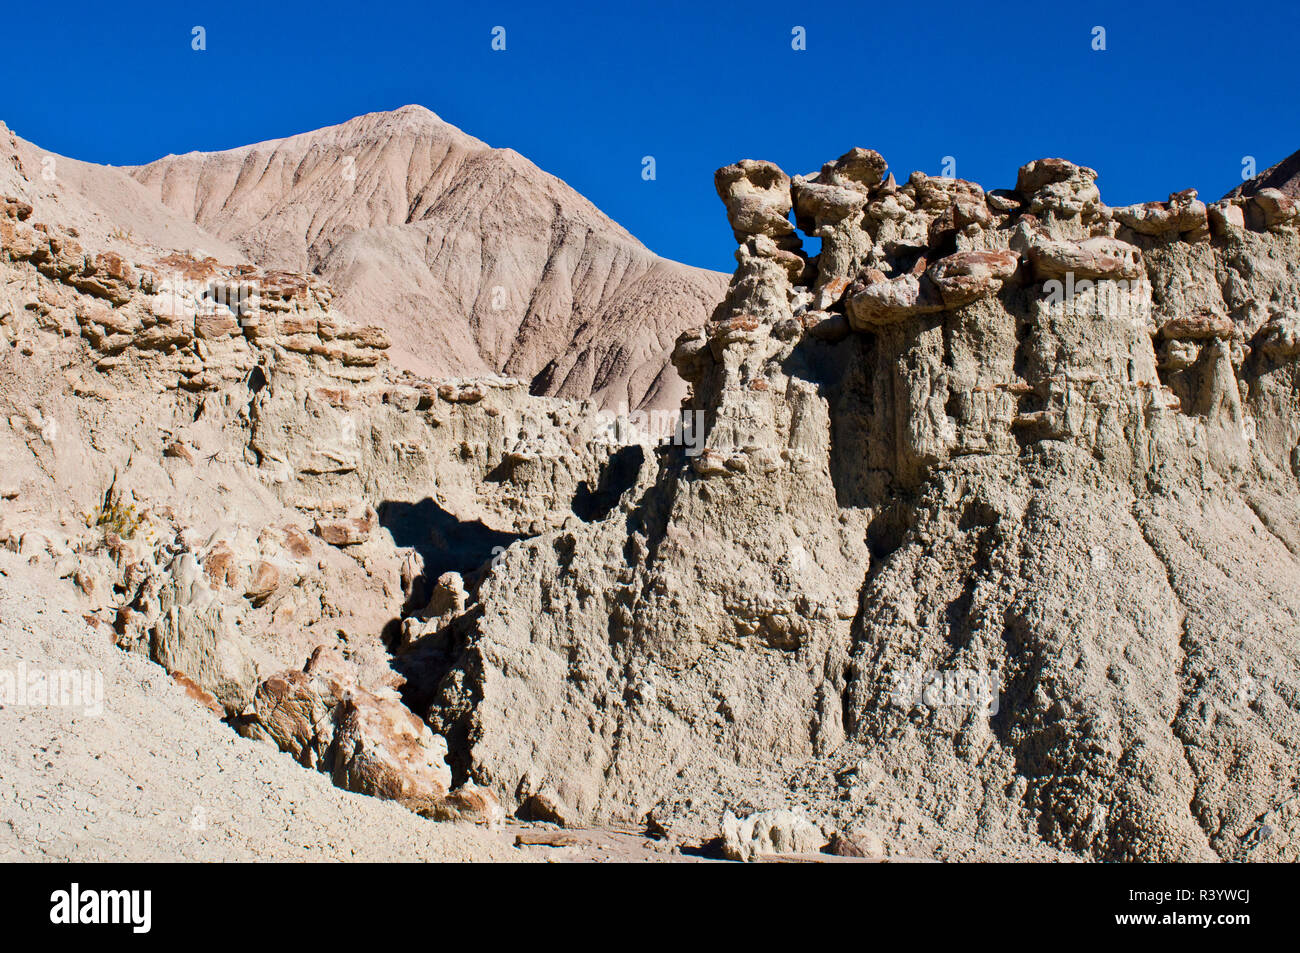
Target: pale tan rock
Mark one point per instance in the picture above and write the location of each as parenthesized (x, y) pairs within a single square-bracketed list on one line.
[(546, 806), (770, 834), (1182, 213), (1177, 354), (1280, 337), (196, 634), (1226, 218), (386, 751), (1045, 494), (1088, 258), (449, 597), (263, 582), (824, 204), (757, 197), (959, 404), (346, 531), (1058, 187)]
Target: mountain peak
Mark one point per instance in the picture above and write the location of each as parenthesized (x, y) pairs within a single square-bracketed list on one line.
[(473, 258)]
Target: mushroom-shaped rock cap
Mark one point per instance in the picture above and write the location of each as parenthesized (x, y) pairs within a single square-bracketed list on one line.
[(1043, 172), (1182, 213), (865, 167), (817, 202), (940, 191), (875, 302), (1059, 187), (970, 275), (1090, 258), (757, 196)]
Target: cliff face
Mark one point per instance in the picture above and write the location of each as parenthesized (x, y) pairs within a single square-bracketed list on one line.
[(992, 545), (472, 258), (237, 485), (982, 539)]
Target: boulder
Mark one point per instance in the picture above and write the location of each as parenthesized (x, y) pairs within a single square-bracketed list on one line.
[(1059, 188), (819, 204), (296, 711), (263, 582), (469, 802), (1273, 208), (384, 750), (951, 282), (970, 275), (770, 833), (1227, 219), (347, 530), (875, 301), (858, 843), (546, 805), (1089, 258), (1181, 214)]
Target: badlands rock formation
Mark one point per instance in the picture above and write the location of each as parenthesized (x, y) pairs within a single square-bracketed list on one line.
[(245, 491), (992, 545), (473, 259), (989, 548)]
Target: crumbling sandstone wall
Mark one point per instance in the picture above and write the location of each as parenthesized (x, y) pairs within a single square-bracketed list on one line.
[(236, 480), (1017, 433)]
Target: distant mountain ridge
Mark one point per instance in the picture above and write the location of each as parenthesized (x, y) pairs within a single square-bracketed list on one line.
[(475, 260)]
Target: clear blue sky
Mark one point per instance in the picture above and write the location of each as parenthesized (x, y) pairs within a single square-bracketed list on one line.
[(1182, 92)]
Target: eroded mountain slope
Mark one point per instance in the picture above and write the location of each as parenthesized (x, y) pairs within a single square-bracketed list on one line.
[(472, 258)]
